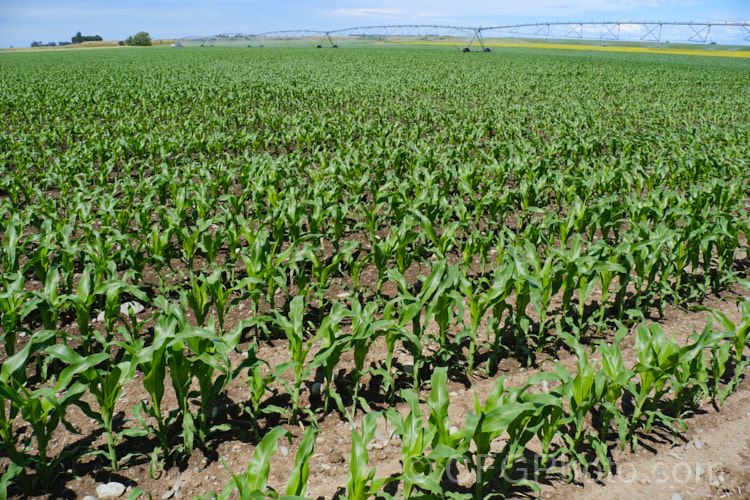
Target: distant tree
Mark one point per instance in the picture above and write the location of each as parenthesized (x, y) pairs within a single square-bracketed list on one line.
[(78, 38), (36, 44), (63, 43), (140, 39)]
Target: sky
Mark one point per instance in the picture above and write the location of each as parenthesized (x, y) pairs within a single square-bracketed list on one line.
[(24, 21)]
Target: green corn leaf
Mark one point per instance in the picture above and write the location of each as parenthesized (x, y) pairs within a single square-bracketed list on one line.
[(297, 484)]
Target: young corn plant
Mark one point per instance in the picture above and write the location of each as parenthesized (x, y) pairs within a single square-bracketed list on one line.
[(211, 244), (189, 238), (220, 292), (523, 283), (157, 247), (501, 413), (12, 248), (544, 280), (196, 298), (333, 346), (584, 391), (323, 271), (502, 280), (356, 262), (212, 369), (153, 382), (104, 379), (181, 374), (543, 418), (692, 378), (617, 378), (190, 354), (360, 481), (253, 484), (395, 322), (293, 327), (479, 303), (261, 265), (82, 302), (647, 257), (569, 258), (296, 486), (258, 384), (337, 214), (409, 308), (12, 310), (658, 362), (739, 337), (43, 409), (445, 445), (605, 273), (416, 438), (443, 244), (445, 305), (381, 251), (49, 302), (112, 291), (153, 360), (365, 332), (477, 245)]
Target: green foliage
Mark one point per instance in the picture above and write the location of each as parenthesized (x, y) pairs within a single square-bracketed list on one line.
[(381, 200), (140, 39), (360, 481), (78, 38)]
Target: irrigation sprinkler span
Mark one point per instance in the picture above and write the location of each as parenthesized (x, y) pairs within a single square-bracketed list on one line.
[(476, 38)]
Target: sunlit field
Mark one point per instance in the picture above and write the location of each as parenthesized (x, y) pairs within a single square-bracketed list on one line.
[(402, 265)]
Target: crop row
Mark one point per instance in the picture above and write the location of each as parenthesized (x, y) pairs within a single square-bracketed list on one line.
[(158, 225), (666, 384)]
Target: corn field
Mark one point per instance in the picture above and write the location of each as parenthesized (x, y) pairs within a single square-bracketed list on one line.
[(394, 219)]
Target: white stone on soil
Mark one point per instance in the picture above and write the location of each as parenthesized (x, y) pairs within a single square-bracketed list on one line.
[(136, 306), (110, 490)]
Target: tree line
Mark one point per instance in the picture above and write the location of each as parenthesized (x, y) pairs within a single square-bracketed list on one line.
[(140, 39), (50, 44), (78, 38)]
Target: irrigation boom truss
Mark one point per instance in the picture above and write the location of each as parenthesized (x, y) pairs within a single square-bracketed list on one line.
[(475, 37)]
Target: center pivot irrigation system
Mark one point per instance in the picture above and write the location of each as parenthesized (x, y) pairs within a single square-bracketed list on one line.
[(477, 39)]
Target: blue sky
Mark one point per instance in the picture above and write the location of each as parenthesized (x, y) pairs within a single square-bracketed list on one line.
[(23, 21)]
